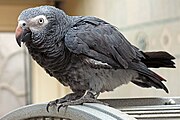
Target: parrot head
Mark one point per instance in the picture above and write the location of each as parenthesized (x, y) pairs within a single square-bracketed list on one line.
[(39, 24)]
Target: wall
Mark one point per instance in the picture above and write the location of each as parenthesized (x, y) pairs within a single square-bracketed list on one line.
[(9, 11), (13, 75)]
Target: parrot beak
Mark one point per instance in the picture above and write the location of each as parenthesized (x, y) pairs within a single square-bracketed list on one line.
[(22, 35)]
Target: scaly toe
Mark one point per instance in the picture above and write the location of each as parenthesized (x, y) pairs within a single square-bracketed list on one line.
[(80, 102)]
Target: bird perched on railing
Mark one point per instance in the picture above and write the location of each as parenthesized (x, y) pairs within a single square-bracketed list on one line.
[(86, 53)]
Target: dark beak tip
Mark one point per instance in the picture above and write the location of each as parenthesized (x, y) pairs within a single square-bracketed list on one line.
[(18, 40), (19, 43)]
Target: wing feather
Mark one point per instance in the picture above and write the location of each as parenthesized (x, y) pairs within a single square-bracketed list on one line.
[(101, 41)]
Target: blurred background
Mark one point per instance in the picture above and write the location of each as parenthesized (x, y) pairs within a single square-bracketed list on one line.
[(152, 25)]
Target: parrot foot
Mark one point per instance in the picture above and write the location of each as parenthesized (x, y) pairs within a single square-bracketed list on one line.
[(80, 102), (88, 98), (67, 98)]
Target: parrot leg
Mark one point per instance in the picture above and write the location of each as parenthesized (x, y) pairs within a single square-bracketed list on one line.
[(67, 98), (89, 97)]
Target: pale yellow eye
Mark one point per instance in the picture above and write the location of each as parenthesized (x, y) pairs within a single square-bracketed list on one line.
[(41, 21)]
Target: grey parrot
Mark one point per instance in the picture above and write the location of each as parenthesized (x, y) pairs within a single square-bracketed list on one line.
[(87, 54)]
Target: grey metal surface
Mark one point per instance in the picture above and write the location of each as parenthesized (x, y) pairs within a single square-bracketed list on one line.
[(149, 108), (125, 102), (88, 111), (126, 109)]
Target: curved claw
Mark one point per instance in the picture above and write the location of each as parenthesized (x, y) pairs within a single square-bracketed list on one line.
[(47, 107), (51, 103), (63, 105), (59, 107)]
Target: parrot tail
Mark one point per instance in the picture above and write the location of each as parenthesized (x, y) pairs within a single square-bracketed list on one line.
[(148, 78), (158, 59)]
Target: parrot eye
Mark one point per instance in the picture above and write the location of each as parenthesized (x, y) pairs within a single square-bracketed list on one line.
[(41, 21), (24, 24)]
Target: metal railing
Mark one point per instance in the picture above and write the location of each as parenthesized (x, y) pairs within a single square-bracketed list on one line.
[(148, 108), (87, 111), (122, 109)]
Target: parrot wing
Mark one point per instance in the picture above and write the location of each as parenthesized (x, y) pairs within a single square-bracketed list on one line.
[(101, 41)]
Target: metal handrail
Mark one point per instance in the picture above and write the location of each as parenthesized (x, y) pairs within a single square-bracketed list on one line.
[(163, 108), (87, 111)]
